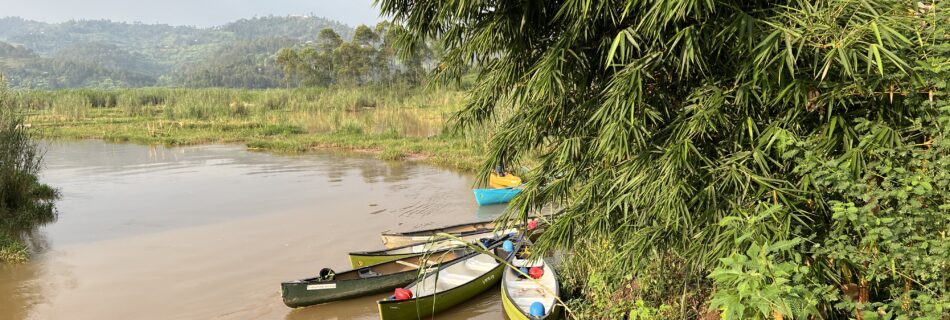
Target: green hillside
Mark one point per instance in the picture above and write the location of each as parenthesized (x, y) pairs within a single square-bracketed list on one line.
[(15, 56), (24, 69), (110, 56), (243, 64), (102, 53)]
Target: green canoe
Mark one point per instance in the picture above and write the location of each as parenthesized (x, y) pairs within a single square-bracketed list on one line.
[(400, 239), (378, 278), (518, 292), (454, 283), (366, 258)]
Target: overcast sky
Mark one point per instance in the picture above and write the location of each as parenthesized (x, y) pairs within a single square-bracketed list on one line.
[(202, 13)]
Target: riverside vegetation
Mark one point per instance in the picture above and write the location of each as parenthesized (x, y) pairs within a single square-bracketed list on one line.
[(392, 122), (352, 93), (719, 158), (25, 203), (736, 159)]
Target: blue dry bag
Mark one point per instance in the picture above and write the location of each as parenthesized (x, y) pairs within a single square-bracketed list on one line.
[(508, 246), (537, 309)]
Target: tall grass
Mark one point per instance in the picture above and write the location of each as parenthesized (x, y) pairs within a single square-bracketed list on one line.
[(406, 112), (392, 121)]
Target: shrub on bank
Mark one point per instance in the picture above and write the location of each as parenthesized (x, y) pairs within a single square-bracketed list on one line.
[(25, 203)]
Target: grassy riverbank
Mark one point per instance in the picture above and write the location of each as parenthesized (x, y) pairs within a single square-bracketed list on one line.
[(394, 123)]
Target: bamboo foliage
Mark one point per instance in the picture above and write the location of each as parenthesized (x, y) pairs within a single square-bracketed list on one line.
[(657, 119)]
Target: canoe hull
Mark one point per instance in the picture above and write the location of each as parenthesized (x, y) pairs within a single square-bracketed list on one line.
[(366, 258), (486, 197), (423, 307), (302, 293), (395, 241), (514, 314), (400, 239), (513, 287), (359, 260)]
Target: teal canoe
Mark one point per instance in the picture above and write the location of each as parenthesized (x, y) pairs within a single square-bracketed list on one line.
[(454, 283), (331, 286), (486, 197)]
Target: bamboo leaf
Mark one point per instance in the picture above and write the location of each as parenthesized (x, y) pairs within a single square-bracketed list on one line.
[(877, 58), (613, 47)]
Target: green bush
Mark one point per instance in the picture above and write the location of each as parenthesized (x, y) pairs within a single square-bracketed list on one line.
[(761, 284), (24, 202), (890, 222)]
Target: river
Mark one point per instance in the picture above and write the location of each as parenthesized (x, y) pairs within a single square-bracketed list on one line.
[(209, 232)]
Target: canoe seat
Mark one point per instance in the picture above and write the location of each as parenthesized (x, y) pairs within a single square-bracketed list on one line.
[(367, 273), (480, 266), (451, 280), (447, 283), (521, 284)]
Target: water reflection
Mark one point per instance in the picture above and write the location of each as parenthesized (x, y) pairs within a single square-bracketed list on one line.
[(210, 231), (36, 241), (484, 306), (356, 309), (204, 184), (20, 290), (489, 212)]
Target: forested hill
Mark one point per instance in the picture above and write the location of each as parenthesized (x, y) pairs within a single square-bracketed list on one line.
[(102, 53)]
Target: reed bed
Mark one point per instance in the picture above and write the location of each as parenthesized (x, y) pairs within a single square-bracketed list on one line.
[(392, 122)]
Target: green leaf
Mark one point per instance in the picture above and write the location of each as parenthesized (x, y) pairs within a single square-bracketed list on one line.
[(618, 39), (877, 58)]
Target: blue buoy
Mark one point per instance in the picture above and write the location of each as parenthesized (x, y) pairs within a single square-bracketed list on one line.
[(524, 271), (508, 246), (536, 310)]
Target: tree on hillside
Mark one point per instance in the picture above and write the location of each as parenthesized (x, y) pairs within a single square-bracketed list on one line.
[(312, 65), (244, 64), (328, 40), (365, 37), (687, 138), (288, 59), (368, 58), (386, 58)]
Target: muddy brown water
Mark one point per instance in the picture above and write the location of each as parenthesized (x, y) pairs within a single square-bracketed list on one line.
[(209, 232)]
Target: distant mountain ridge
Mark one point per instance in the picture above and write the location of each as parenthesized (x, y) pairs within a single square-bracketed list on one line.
[(84, 52)]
